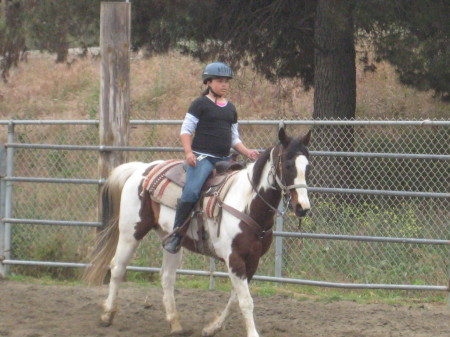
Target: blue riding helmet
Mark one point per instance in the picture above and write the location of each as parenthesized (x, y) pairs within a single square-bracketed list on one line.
[(216, 69)]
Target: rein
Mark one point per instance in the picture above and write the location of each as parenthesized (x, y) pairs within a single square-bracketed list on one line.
[(244, 217), (285, 190), (276, 210), (240, 215)]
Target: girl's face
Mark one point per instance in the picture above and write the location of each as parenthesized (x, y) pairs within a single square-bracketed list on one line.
[(220, 85)]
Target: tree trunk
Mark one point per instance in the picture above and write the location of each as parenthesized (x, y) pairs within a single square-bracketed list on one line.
[(62, 51), (334, 87), (334, 61), (12, 39)]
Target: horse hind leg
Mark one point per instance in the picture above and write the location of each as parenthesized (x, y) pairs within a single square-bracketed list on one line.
[(125, 249), (168, 276), (216, 325)]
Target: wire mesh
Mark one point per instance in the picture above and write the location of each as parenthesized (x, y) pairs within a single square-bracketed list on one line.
[(332, 213)]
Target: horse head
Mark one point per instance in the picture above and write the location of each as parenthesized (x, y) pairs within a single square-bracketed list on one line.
[(292, 170)]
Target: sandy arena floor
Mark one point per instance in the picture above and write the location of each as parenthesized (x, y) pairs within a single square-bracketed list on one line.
[(31, 310)]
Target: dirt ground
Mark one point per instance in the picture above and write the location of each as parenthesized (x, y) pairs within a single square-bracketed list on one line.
[(32, 310)]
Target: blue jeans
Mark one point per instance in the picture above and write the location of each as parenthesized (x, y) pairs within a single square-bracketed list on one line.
[(196, 177)]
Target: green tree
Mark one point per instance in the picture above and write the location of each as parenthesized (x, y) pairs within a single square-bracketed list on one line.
[(413, 36), (334, 86), (50, 25), (280, 38), (285, 38), (57, 25), (12, 34)]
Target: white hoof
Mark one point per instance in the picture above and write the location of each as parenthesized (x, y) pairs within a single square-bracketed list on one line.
[(175, 328), (107, 318), (211, 330)]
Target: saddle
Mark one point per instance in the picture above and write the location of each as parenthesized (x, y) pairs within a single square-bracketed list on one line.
[(165, 182), (177, 174)]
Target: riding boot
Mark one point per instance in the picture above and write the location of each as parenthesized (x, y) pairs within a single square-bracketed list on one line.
[(183, 210)]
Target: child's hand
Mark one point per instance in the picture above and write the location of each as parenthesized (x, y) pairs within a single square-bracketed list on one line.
[(191, 159), (253, 154)]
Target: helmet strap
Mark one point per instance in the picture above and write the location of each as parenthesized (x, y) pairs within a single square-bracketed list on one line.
[(214, 94)]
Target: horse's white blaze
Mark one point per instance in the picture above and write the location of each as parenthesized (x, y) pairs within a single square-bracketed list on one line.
[(301, 162)]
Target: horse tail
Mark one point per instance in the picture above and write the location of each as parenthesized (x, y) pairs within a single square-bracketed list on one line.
[(108, 235)]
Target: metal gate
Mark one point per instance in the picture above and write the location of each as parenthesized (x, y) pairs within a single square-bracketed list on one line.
[(379, 193)]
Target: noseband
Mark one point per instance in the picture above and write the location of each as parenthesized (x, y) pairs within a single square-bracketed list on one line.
[(285, 189)]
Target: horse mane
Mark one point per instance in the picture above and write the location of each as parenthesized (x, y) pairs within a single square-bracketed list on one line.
[(259, 166)]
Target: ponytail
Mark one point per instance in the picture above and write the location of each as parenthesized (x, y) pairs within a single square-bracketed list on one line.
[(206, 91)]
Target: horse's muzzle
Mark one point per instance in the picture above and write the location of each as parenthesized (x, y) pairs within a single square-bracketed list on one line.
[(300, 212)]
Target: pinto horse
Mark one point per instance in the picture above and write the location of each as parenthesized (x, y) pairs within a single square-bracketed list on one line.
[(279, 172)]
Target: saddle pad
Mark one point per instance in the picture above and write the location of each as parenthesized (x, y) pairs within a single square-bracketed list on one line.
[(177, 174), (160, 188)]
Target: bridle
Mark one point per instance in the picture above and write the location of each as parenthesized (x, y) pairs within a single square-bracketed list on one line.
[(280, 180), (277, 182)]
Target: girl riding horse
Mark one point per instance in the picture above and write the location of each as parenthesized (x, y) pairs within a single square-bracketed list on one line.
[(214, 121)]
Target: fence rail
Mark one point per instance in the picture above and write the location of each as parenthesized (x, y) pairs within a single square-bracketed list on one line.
[(241, 122), (256, 277), (397, 184)]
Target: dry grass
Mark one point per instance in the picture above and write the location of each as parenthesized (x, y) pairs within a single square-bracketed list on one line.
[(381, 96), (42, 89), (162, 87)]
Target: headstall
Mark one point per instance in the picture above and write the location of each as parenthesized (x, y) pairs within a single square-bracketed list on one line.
[(277, 181)]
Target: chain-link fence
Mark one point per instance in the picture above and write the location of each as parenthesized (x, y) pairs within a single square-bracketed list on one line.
[(379, 192)]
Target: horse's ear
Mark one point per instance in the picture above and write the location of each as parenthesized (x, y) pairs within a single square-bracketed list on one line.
[(282, 136), (306, 138)]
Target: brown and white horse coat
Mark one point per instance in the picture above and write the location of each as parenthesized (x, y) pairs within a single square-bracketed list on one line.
[(255, 191)]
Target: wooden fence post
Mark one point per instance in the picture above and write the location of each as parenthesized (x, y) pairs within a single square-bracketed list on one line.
[(115, 20)]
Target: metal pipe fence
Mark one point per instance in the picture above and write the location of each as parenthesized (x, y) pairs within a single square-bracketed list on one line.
[(380, 201)]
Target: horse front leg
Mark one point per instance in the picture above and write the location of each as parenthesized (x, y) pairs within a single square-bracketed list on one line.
[(168, 275), (125, 250), (242, 290), (216, 325)]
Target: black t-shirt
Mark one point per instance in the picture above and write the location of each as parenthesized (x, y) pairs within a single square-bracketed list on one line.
[(213, 132)]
